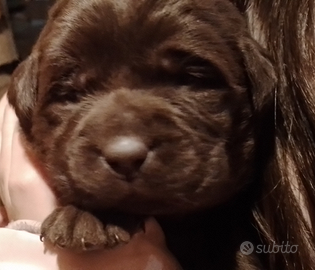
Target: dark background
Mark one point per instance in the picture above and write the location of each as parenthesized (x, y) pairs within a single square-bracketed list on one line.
[(27, 18)]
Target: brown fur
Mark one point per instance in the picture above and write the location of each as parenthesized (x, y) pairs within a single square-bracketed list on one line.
[(188, 80)]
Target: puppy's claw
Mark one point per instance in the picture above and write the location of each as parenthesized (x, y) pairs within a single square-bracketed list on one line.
[(41, 238)]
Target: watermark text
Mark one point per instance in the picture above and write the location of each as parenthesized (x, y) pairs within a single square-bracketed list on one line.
[(248, 248)]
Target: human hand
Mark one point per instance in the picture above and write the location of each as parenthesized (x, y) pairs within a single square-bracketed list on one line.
[(23, 191), (146, 251)]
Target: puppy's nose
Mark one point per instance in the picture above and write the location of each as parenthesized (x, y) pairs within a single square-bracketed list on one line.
[(125, 155)]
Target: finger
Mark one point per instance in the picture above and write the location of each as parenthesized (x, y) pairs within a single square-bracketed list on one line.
[(153, 232), (27, 185), (9, 121), (3, 214)]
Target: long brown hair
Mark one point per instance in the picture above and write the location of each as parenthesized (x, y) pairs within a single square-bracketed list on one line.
[(283, 213)]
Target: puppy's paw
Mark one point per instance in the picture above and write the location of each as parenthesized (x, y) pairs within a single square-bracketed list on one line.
[(71, 228)]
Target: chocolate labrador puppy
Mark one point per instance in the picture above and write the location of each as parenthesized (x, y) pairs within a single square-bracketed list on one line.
[(144, 107)]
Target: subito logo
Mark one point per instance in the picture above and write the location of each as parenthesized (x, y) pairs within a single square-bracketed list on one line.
[(247, 248)]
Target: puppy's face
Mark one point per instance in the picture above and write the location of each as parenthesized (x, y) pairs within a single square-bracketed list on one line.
[(142, 106)]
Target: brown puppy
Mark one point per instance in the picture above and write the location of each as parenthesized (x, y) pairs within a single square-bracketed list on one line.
[(147, 107)]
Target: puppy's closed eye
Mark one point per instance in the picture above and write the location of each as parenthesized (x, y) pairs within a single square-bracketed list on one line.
[(192, 70), (71, 87)]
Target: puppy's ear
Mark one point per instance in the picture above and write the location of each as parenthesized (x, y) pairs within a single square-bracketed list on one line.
[(261, 73), (23, 91)]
